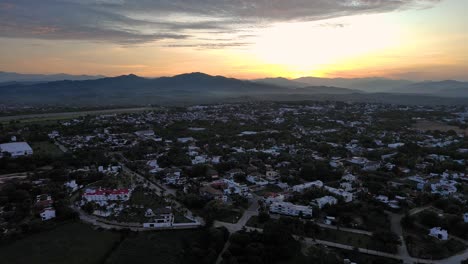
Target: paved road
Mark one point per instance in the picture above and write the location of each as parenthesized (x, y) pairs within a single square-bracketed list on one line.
[(165, 191), (395, 221), (395, 226)]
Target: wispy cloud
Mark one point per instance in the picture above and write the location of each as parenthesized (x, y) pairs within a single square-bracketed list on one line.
[(133, 22)]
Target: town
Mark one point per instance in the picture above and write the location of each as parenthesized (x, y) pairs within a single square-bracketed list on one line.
[(345, 182)]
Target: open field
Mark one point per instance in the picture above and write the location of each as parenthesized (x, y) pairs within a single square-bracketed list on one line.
[(152, 247), (427, 125), (46, 148), (34, 118), (72, 243)]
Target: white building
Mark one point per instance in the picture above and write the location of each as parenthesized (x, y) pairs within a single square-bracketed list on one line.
[(16, 149), (291, 209), (307, 185), (256, 180), (274, 198), (438, 233), (47, 214), (326, 200), (347, 196), (161, 217), (465, 217), (71, 185), (145, 133), (396, 145)]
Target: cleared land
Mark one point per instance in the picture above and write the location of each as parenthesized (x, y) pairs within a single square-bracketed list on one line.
[(428, 125), (46, 148), (72, 243), (32, 118)]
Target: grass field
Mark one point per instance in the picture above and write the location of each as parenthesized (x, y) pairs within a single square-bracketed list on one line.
[(72, 243), (77, 243), (46, 148), (155, 247), (427, 125)]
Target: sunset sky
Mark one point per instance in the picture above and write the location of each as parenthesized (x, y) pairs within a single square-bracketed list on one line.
[(404, 39)]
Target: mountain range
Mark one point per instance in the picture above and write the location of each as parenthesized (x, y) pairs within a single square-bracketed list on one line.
[(21, 77), (202, 88), (448, 88)]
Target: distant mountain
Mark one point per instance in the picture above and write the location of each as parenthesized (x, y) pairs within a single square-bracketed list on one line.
[(133, 89), (19, 77), (184, 89), (280, 81), (326, 90), (447, 88), (363, 84)]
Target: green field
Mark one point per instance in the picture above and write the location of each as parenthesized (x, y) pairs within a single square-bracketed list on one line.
[(77, 243), (46, 148), (69, 243), (151, 247)]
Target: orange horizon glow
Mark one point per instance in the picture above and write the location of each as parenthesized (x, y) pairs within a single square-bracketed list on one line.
[(413, 44)]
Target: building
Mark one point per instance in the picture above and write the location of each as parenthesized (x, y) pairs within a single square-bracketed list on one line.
[(291, 209), (16, 149), (72, 185), (161, 217), (326, 200), (98, 195), (465, 217), (347, 196), (438, 233), (47, 214), (307, 185), (145, 133)]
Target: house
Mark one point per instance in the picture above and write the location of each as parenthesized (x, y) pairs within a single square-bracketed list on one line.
[(256, 180), (71, 185), (16, 149), (161, 217), (347, 196), (290, 209), (185, 139), (47, 213), (326, 200), (307, 185), (371, 166), (396, 145), (211, 193), (274, 198), (44, 201), (465, 217), (98, 195), (54, 134), (145, 133), (438, 233)]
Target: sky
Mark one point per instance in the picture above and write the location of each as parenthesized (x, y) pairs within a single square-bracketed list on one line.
[(400, 39)]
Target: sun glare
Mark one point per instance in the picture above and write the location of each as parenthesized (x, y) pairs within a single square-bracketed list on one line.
[(310, 47)]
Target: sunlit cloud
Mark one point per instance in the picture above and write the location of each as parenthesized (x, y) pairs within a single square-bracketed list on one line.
[(126, 22)]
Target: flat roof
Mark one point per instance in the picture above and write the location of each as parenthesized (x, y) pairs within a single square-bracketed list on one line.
[(15, 147)]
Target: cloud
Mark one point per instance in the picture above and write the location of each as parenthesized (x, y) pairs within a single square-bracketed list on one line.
[(142, 21)]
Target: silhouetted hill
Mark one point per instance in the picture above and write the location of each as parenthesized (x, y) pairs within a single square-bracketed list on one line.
[(20, 77), (184, 88), (280, 81)]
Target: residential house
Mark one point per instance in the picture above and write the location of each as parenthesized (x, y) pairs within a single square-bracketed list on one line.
[(161, 217), (438, 233), (291, 209), (302, 187), (47, 213), (324, 201)]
